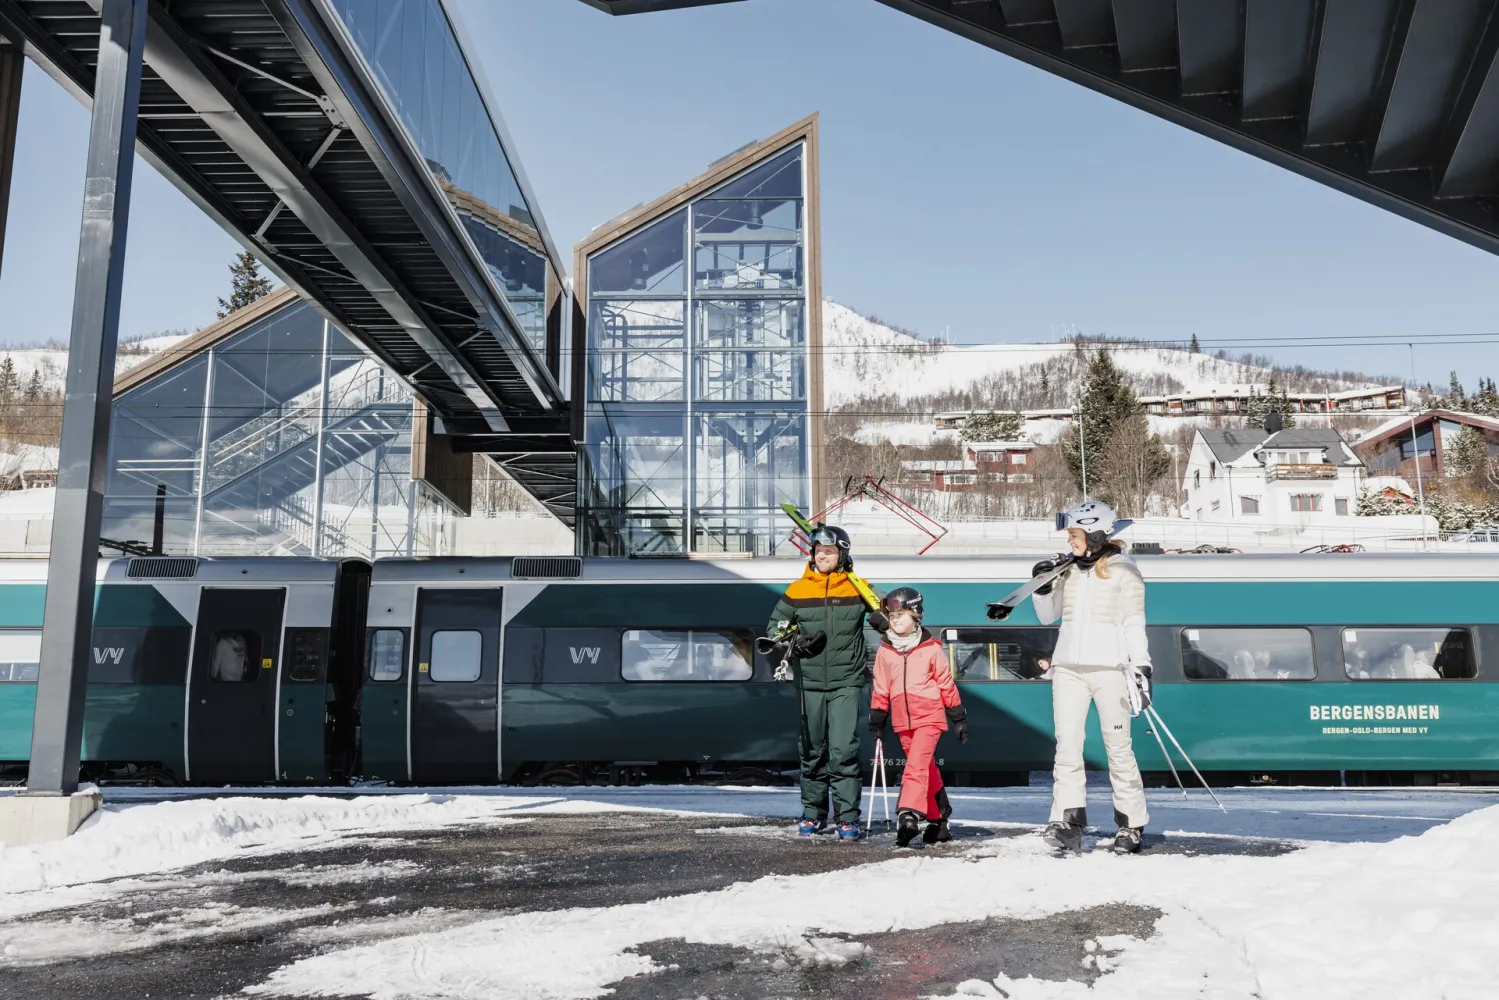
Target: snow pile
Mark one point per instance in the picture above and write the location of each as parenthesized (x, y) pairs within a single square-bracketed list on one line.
[(1412, 918), (123, 840)]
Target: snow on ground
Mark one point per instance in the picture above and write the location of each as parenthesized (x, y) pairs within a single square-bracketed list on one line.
[(1411, 917), (1394, 893), (129, 839)]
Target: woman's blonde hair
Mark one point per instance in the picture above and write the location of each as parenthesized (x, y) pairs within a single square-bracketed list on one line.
[(1101, 567)]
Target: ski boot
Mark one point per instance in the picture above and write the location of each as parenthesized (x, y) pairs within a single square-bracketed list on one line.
[(1068, 834), (907, 826), (849, 832), (937, 831), (811, 827), (1127, 840)]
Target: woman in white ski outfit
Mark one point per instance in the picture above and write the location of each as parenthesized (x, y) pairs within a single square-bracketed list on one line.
[(1101, 658)]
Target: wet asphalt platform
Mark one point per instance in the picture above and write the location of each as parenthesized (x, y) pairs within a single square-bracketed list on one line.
[(212, 930)]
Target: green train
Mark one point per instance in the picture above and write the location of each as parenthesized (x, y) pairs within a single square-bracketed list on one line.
[(1358, 669)]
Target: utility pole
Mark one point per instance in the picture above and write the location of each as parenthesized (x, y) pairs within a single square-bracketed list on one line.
[(1416, 447)]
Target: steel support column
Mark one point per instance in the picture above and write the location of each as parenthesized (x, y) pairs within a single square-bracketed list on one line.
[(12, 62), (67, 625)]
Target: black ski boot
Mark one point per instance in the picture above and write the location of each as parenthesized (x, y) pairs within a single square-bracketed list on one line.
[(937, 831), (1127, 840), (1068, 835), (907, 826)]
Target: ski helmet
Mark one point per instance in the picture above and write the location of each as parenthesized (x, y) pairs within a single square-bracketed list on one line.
[(1094, 518), (830, 534), (903, 599)]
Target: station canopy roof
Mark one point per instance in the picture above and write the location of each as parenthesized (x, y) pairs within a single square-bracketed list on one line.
[(1392, 101)]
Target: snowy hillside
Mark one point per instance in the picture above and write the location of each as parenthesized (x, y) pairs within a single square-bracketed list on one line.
[(865, 357), (54, 363)]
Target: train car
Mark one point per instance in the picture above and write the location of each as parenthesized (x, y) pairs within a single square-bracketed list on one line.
[(1363, 668), (202, 671), (1358, 668)]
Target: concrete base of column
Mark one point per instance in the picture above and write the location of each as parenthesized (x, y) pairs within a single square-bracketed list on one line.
[(36, 819)]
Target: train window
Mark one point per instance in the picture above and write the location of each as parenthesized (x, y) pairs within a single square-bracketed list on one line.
[(235, 656), (999, 654), (1408, 654), (1248, 654), (699, 655), (456, 656), (309, 648), (387, 654), (20, 655)]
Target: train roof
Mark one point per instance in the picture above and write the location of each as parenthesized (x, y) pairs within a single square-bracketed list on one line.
[(882, 569), (170, 569)]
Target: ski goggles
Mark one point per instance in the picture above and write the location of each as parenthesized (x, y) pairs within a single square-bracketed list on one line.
[(824, 536)]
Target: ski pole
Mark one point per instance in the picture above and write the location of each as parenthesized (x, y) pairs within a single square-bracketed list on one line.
[(1156, 717), (1155, 731), (879, 756)]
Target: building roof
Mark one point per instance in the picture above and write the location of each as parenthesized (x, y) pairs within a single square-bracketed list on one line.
[(1230, 445), (717, 173), (191, 347), (1402, 426), (1000, 445)]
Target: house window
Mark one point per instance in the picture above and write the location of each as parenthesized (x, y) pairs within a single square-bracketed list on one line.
[(1197, 478), (1212, 471), (960, 479), (1306, 502), (1340, 507), (1249, 505), (1215, 506), (1018, 458)]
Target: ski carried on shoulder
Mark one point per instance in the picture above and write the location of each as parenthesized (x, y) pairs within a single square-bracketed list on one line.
[(807, 527), (1000, 610)]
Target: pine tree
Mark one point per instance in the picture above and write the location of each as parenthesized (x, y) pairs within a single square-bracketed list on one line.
[(1195, 348), (35, 390), (1045, 388), (1455, 396), (1469, 453), (1124, 459), (10, 382), (1002, 426), (246, 283)]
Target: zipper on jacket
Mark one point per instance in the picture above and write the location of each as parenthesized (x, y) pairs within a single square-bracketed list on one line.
[(905, 683)]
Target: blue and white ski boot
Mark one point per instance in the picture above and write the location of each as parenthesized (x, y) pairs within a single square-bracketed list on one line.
[(811, 827), (849, 831)]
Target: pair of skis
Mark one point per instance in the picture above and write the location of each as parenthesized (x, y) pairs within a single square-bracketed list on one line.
[(807, 527), (1000, 610)]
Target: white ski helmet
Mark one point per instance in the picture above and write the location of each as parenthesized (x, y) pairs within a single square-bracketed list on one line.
[(1094, 518)]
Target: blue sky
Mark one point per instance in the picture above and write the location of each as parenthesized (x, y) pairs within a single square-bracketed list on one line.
[(963, 191)]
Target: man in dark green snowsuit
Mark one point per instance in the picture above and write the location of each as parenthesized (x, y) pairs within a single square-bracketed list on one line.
[(830, 677)]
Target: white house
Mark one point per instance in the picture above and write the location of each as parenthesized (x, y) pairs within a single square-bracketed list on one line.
[(1295, 477)]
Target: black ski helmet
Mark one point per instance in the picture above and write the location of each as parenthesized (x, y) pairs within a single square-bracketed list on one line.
[(831, 534), (903, 599)]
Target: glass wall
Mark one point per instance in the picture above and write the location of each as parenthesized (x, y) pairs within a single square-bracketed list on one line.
[(697, 397), (413, 53), (283, 439)]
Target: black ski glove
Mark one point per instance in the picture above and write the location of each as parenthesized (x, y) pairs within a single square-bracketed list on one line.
[(957, 718), (877, 719), (805, 646), (879, 622), (1044, 566)]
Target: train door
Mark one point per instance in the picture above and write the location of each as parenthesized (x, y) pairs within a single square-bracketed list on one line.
[(231, 717), (456, 687)]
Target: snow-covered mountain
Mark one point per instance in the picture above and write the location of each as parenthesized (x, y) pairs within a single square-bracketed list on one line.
[(867, 358)]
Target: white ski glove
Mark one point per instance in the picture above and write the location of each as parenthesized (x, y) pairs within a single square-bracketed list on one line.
[(1137, 684)]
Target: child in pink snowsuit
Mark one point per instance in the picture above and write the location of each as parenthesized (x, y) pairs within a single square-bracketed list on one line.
[(914, 691)]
